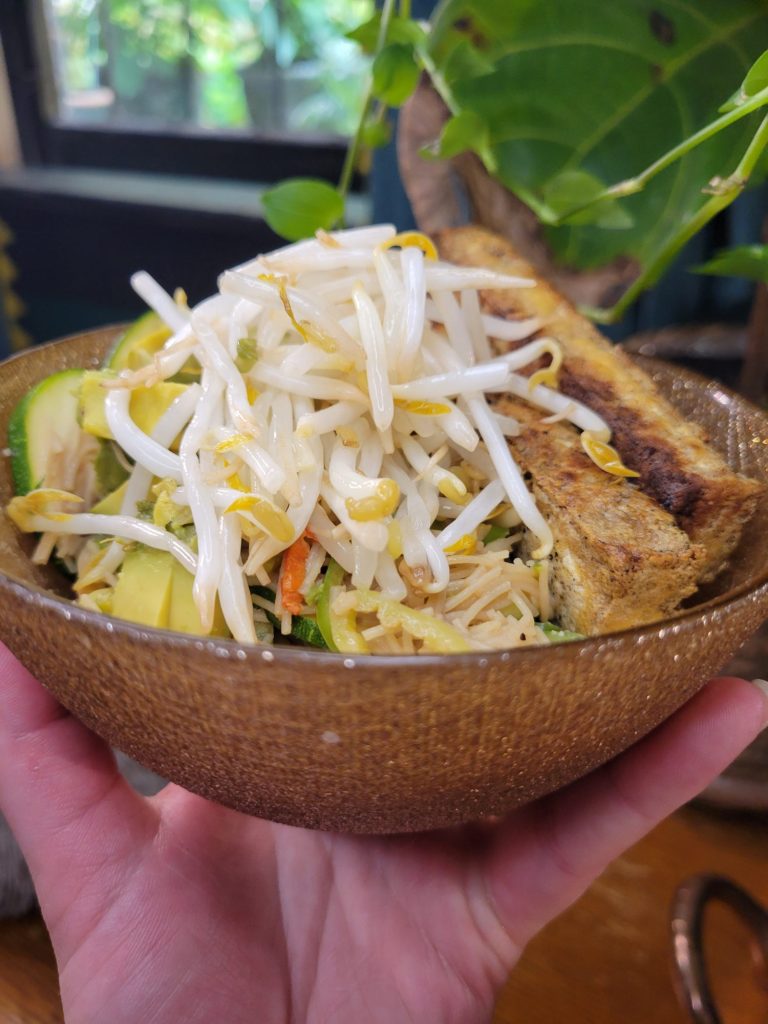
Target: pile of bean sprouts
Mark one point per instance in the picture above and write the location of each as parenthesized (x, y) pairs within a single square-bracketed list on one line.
[(345, 395)]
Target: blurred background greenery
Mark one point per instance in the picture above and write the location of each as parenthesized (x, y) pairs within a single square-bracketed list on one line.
[(231, 65)]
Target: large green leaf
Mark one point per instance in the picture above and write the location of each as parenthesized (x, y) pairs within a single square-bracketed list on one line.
[(606, 88)]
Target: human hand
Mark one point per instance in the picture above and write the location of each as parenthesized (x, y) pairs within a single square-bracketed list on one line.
[(174, 909)]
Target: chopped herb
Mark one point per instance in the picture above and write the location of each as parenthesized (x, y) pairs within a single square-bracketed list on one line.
[(495, 533), (145, 510), (556, 635), (187, 534)]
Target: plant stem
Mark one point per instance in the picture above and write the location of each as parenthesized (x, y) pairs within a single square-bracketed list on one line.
[(729, 118), (353, 150), (630, 186), (733, 186), (405, 8)]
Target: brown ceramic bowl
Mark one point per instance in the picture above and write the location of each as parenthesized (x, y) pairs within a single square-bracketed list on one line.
[(376, 744)]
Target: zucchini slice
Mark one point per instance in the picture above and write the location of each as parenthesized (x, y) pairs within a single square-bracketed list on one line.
[(44, 424), (304, 629), (140, 342)]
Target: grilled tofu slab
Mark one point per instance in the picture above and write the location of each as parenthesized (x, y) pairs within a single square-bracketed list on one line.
[(619, 560), (677, 468)]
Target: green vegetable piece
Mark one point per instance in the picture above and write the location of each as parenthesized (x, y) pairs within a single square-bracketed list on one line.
[(110, 472), (495, 533), (141, 341), (438, 636), (145, 509), (44, 420), (313, 593), (298, 208), (334, 576), (265, 634), (265, 592), (395, 74), (556, 635), (304, 629), (750, 261), (186, 534)]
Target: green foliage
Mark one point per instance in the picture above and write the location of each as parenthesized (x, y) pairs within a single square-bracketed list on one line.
[(464, 131), (755, 80), (144, 48), (749, 261), (600, 117), (395, 74), (604, 89), (460, 60), (757, 77), (301, 206), (376, 133), (578, 189), (399, 30)]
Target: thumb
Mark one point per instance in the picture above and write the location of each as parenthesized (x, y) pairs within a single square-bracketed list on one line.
[(547, 855)]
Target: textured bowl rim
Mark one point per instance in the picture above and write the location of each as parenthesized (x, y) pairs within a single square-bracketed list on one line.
[(289, 655)]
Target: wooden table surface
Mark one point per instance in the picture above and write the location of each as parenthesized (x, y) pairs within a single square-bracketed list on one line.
[(607, 961)]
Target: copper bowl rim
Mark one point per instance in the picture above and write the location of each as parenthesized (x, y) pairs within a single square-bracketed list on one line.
[(376, 662)]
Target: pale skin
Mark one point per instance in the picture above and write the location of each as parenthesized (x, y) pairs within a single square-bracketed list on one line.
[(174, 909)]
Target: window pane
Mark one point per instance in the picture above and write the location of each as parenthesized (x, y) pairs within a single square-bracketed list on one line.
[(270, 65)]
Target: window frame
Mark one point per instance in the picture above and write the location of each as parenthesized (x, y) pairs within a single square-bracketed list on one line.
[(45, 141)]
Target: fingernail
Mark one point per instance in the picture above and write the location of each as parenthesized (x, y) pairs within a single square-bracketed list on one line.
[(762, 686)]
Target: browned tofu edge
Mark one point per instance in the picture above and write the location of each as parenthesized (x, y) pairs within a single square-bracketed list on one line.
[(619, 560), (677, 467)]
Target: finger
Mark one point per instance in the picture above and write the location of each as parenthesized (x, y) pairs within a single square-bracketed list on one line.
[(546, 856), (60, 789)]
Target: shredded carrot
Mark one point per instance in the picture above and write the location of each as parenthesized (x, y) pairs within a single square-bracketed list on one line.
[(293, 573)]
